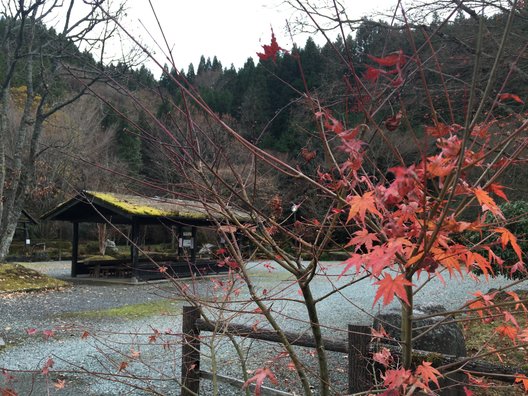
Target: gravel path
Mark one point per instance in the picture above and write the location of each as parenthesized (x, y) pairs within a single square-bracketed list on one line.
[(150, 345)]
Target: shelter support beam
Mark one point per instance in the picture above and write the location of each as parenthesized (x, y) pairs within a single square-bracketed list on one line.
[(134, 253), (193, 246), (180, 240), (75, 249)]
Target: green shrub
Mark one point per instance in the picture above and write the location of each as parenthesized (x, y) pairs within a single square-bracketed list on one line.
[(92, 247), (62, 245)]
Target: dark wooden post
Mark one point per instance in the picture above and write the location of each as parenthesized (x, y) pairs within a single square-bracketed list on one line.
[(134, 241), (180, 239), (75, 249), (358, 362), (190, 352), (193, 246)]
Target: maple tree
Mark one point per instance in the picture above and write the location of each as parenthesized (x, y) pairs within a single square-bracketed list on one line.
[(397, 223)]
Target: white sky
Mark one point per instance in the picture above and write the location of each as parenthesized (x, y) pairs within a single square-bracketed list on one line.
[(233, 30)]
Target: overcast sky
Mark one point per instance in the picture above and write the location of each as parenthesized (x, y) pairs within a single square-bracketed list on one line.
[(233, 30)]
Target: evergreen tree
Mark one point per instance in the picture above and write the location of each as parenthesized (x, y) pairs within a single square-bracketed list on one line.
[(191, 75)]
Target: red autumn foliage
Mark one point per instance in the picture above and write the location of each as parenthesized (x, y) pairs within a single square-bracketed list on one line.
[(308, 155), (392, 123), (390, 287), (260, 375), (271, 50), (395, 59), (428, 373), (509, 96)]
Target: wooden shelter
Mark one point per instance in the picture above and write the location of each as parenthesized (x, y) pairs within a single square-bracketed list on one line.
[(136, 211)]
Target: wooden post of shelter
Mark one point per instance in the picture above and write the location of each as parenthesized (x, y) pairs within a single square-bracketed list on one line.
[(180, 241), (134, 254), (190, 373), (193, 245), (75, 249), (358, 352)]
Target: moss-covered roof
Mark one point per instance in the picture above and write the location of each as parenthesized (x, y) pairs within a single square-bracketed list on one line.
[(145, 206), (106, 204)]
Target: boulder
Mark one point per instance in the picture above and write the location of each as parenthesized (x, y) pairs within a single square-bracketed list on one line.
[(111, 246)]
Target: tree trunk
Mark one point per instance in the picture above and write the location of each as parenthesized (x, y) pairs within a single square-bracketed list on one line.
[(101, 234), (406, 327), (6, 237)]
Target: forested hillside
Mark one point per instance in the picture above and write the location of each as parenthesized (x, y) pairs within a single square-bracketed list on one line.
[(257, 97), (117, 142)]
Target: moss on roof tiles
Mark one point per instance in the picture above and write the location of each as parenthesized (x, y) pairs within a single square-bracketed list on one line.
[(147, 206), (136, 205)]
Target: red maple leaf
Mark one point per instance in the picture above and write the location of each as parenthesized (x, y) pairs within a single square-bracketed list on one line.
[(508, 317), (524, 380), (384, 356), (260, 375), (389, 286), (476, 259), (362, 237), (516, 298), (372, 74), (395, 59), (378, 334), (271, 50), (508, 237), (356, 260), (498, 189), (506, 96), (487, 203), (438, 130), (428, 373), (507, 331), (393, 379), (361, 204)]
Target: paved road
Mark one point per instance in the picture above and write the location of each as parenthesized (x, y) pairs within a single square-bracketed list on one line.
[(154, 361)]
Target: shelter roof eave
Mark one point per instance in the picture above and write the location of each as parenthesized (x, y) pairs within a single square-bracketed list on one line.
[(30, 219), (94, 207)]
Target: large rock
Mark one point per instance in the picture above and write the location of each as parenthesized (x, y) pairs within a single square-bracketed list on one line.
[(446, 337), (443, 335), (110, 246)]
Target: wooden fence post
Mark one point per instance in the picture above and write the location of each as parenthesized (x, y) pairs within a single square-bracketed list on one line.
[(358, 345), (190, 352)]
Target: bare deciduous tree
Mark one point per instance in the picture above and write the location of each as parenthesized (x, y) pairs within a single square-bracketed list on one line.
[(41, 74)]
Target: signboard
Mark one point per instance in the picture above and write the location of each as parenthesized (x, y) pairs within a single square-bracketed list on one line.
[(186, 243)]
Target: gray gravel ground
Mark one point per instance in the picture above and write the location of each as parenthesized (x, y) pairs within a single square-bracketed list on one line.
[(113, 340)]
